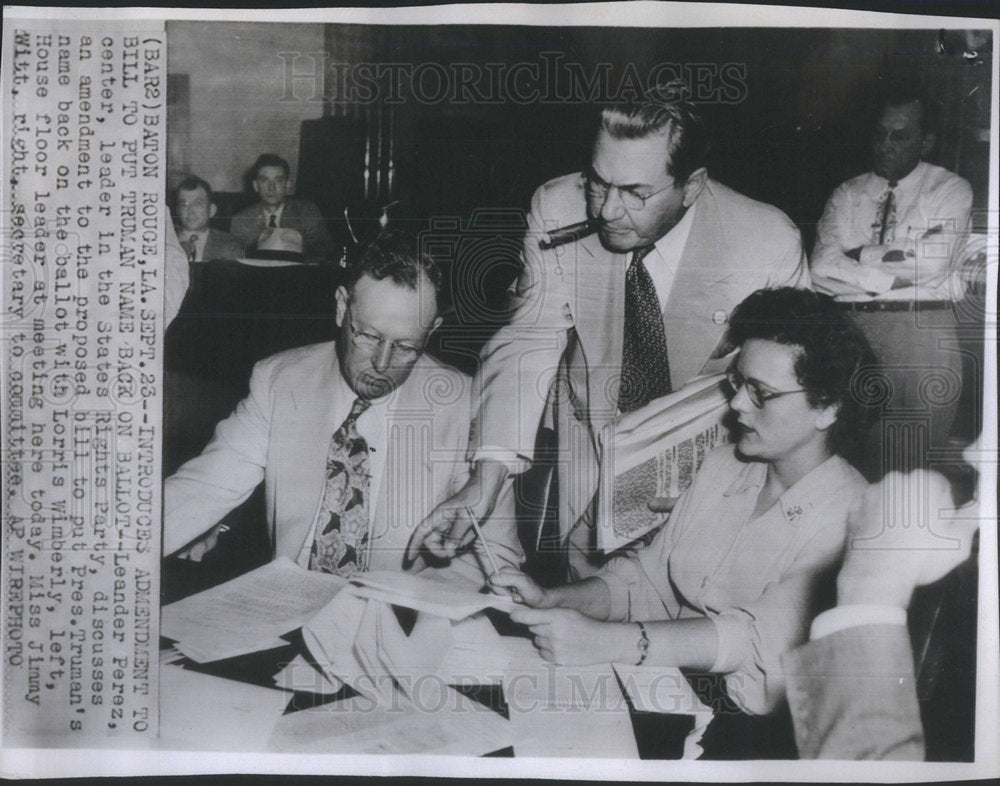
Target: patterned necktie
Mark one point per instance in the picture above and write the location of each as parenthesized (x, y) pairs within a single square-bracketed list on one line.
[(339, 545), (191, 247), (888, 216), (273, 221), (645, 368)]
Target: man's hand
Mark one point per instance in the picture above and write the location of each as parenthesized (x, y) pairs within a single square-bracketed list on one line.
[(520, 587), (901, 533), (567, 637), (197, 550), (447, 530)]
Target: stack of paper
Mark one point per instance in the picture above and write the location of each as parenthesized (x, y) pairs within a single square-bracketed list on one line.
[(453, 725), (249, 613), (201, 712)]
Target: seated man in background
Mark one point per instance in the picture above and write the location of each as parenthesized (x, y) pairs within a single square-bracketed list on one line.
[(270, 177), (356, 440), (884, 248), (852, 688), (194, 208)]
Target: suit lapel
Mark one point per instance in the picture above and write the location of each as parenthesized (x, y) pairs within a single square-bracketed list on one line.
[(691, 329), (306, 432), (598, 293), (407, 484)]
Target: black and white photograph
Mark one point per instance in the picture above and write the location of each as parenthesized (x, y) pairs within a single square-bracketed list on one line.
[(588, 391)]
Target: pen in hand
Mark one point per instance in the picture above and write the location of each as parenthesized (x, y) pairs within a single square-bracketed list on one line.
[(489, 554)]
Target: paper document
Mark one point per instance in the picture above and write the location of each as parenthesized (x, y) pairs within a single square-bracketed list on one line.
[(249, 613), (450, 724), (660, 689), (201, 712), (655, 451), (301, 676), (572, 711), (342, 639), (426, 594)]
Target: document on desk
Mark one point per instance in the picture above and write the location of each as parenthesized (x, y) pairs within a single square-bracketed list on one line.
[(249, 613), (202, 712), (450, 723), (571, 711), (426, 594)]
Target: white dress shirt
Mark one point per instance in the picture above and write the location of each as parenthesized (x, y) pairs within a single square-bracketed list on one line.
[(932, 207), (266, 215), (662, 262)]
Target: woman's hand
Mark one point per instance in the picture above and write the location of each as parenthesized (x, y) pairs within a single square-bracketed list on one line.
[(568, 638), (520, 587)]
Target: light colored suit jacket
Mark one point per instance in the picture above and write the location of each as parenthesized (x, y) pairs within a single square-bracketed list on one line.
[(853, 695), (563, 346), (298, 214), (281, 434), (222, 245)]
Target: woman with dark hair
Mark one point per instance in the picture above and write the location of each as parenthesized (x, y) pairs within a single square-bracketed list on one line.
[(729, 583)]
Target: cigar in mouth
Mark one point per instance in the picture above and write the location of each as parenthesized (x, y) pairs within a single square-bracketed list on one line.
[(569, 233)]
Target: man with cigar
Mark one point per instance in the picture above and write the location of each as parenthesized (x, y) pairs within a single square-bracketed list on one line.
[(605, 323)]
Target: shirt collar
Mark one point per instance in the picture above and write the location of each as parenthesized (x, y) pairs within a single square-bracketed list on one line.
[(343, 392), (267, 212), (877, 184), (797, 501), (674, 241)]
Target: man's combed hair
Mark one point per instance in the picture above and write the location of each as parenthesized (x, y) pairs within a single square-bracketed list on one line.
[(396, 255), (834, 362), (190, 183), (664, 109), (269, 159)]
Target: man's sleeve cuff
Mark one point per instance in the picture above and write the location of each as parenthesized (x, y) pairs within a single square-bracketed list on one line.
[(515, 463), (842, 617)]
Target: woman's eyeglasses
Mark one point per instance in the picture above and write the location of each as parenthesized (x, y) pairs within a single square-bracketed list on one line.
[(758, 395)]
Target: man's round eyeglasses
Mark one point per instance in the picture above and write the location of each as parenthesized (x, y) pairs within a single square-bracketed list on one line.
[(597, 190), (758, 395), (372, 342)]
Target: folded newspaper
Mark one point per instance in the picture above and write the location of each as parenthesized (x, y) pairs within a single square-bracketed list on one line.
[(655, 451)]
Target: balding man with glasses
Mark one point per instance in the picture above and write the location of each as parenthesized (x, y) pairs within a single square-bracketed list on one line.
[(611, 320), (356, 440)]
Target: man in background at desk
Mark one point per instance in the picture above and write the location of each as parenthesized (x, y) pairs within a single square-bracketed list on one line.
[(270, 178), (194, 207), (356, 440), (884, 248)]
